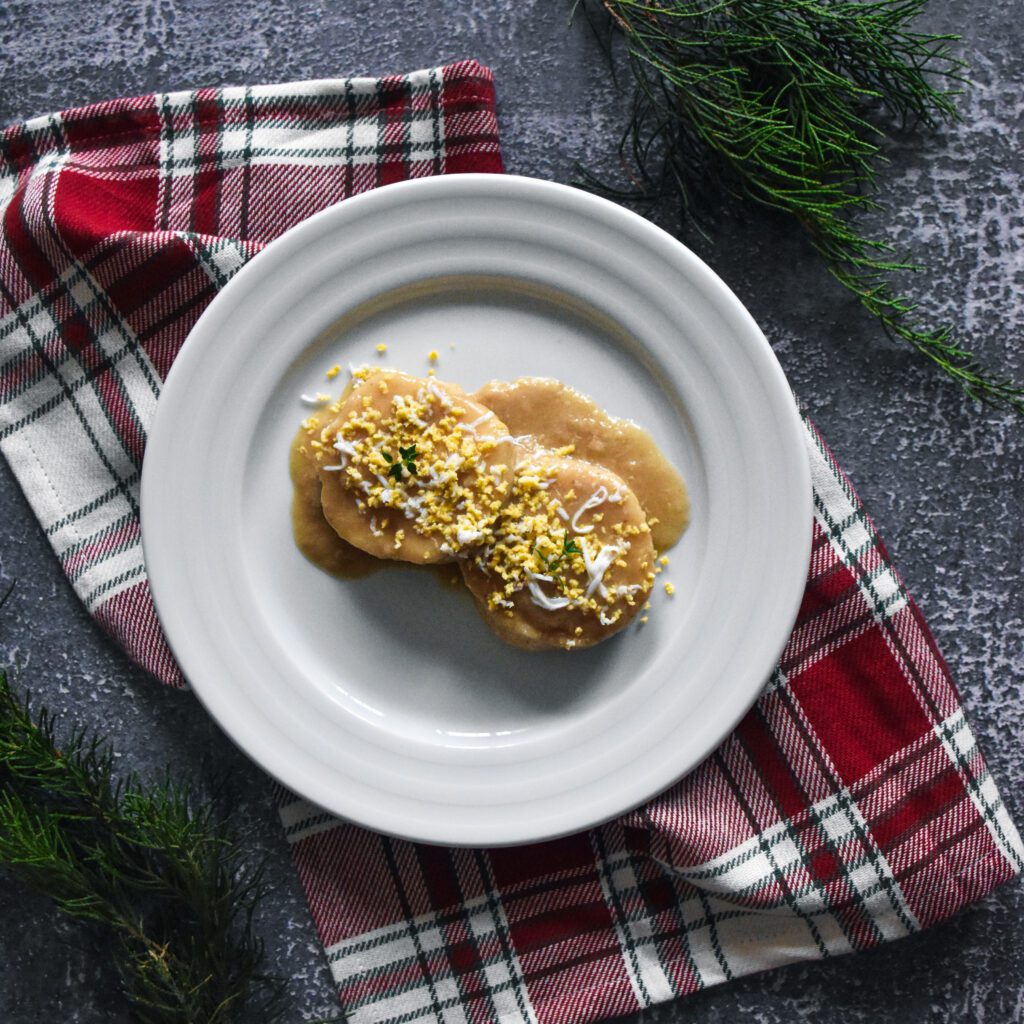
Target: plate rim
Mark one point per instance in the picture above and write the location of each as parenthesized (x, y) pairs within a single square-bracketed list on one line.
[(712, 286)]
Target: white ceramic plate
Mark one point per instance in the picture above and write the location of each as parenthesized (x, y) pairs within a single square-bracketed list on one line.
[(386, 700)]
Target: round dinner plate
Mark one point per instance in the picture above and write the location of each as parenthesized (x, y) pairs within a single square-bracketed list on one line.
[(386, 700)]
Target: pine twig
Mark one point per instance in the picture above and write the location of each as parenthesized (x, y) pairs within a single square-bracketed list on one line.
[(777, 104), (153, 868)]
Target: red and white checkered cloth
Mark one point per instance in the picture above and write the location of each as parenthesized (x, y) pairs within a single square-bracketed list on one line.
[(850, 807)]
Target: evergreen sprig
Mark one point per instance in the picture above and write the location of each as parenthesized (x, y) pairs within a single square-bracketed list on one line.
[(155, 868), (785, 104)]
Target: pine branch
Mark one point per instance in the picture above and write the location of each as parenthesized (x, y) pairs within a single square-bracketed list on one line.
[(780, 104), (153, 868)]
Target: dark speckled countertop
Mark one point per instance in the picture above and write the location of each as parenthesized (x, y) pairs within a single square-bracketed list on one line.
[(944, 481)]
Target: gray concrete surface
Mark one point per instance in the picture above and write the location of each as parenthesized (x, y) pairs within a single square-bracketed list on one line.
[(944, 480)]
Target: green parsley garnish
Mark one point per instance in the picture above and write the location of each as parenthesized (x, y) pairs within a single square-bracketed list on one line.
[(553, 563), (406, 462)]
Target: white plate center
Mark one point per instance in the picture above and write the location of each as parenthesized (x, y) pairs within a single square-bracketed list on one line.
[(401, 649)]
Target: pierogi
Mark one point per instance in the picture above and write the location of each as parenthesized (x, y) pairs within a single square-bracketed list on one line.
[(570, 560), (413, 468), (554, 511)]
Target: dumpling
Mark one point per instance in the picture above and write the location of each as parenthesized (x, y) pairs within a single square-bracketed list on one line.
[(416, 470), (569, 561)]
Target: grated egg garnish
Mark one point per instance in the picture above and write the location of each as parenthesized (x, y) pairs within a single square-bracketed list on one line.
[(446, 489), (530, 549), (460, 487)]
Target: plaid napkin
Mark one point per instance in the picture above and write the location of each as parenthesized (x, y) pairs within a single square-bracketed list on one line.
[(851, 806)]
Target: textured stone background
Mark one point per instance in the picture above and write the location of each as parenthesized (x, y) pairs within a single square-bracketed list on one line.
[(943, 479)]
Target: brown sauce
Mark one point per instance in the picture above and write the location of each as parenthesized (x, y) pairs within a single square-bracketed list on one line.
[(315, 538), (558, 415), (552, 413)]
